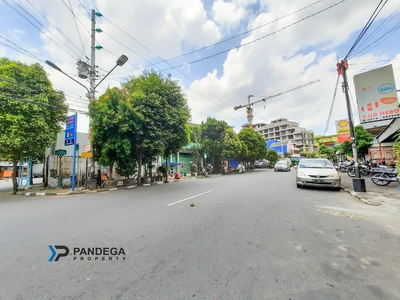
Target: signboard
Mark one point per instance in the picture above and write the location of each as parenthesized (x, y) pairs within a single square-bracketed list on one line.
[(60, 152), (86, 147), (328, 143), (70, 131), (377, 95), (343, 131), (86, 154), (205, 155)]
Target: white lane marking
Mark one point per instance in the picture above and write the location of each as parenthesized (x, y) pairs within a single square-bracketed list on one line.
[(190, 197)]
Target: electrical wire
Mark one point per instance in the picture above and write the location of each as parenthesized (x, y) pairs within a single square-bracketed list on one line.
[(332, 105), (90, 15), (258, 39), (385, 36), (77, 29), (94, 4), (29, 101), (25, 51), (52, 25), (379, 28), (234, 36), (366, 27), (76, 17), (39, 28)]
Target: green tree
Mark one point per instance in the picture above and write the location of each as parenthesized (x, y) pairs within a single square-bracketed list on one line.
[(272, 156), (308, 154), (31, 113), (164, 115), (329, 152), (287, 155), (396, 150), (255, 143), (195, 144), (232, 147), (114, 122), (212, 132), (363, 141)]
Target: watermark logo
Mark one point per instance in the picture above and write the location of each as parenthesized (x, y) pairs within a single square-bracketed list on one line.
[(87, 254)]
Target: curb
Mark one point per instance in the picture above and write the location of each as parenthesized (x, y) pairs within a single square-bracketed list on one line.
[(32, 194), (361, 199)]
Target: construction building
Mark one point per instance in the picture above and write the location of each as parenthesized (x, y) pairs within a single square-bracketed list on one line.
[(285, 131)]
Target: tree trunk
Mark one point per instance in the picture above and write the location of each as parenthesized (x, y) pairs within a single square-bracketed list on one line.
[(111, 171), (139, 179), (14, 177), (31, 177), (166, 170)]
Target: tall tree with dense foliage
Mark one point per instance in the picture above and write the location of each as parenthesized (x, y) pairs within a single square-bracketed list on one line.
[(255, 143), (272, 156), (212, 138), (232, 147), (363, 141), (195, 143), (31, 112), (114, 122), (164, 115)]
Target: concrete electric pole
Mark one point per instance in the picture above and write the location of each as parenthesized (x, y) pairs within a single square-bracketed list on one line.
[(358, 183)]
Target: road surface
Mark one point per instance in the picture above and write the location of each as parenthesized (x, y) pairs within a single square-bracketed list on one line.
[(250, 236)]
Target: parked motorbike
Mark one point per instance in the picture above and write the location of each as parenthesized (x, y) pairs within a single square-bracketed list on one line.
[(365, 170), (384, 176)]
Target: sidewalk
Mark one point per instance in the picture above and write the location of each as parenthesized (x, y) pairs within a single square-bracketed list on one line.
[(375, 195)]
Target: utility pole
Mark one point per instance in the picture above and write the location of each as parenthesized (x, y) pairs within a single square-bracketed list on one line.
[(92, 74), (358, 183)]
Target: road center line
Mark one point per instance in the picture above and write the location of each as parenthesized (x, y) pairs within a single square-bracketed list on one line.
[(191, 197)]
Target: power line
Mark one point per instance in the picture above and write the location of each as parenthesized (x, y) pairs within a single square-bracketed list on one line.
[(388, 19), (94, 4), (366, 27), (237, 35), (76, 17), (77, 29), (29, 101), (90, 15), (168, 64), (53, 25), (39, 28), (385, 36), (27, 53), (332, 105), (258, 39)]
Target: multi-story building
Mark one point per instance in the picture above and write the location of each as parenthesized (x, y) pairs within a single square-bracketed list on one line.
[(285, 131)]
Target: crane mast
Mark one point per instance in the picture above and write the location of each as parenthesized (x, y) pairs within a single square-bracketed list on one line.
[(249, 105)]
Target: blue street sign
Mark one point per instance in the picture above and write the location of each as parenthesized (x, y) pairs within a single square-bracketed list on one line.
[(70, 131)]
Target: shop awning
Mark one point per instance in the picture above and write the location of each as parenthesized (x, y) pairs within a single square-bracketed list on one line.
[(389, 134)]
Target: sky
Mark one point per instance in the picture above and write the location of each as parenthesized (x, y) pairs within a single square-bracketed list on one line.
[(263, 47)]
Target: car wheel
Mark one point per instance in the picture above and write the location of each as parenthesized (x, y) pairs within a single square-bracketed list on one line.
[(298, 186), (337, 189)]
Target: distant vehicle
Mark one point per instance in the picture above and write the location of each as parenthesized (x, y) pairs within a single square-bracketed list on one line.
[(283, 165), (317, 172), (260, 165)]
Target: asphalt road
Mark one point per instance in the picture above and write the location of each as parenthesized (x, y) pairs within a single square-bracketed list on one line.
[(250, 236)]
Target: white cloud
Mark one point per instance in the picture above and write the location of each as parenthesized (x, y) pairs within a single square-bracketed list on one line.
[(269, 64), (228, 14)]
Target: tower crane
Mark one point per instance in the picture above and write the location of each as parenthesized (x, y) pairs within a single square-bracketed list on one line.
[(249, 104)]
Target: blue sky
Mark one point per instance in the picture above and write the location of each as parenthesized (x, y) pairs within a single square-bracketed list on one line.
[(304, 52)]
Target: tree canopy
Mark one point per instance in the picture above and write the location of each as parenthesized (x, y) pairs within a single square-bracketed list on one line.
[(255, 144), (363, 141), (272, 156), (329, 152), (212, 132), (147, 117), (31, 112), (232, 147)]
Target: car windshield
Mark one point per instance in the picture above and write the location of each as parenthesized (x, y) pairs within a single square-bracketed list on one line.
[(316, 164), (281, 163)]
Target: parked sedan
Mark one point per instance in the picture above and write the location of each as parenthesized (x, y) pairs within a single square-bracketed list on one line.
[(317, 172), (260, 165)]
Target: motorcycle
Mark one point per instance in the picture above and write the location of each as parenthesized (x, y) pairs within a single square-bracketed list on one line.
[(365, 170), (384, 176)]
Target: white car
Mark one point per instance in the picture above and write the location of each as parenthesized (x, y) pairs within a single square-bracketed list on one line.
[(317, 172), (282, 165)]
